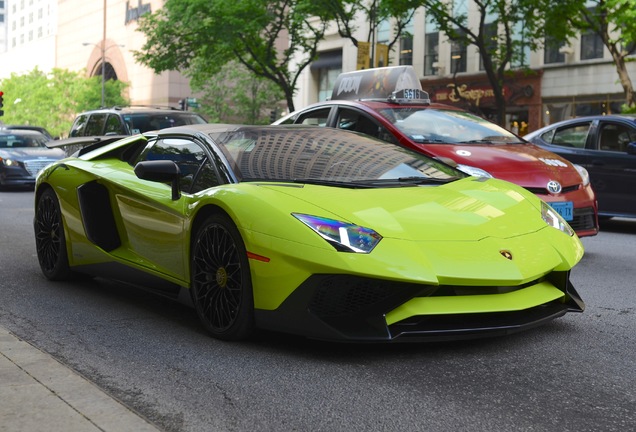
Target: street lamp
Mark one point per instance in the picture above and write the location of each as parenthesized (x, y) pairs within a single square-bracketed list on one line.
[(103, 49)]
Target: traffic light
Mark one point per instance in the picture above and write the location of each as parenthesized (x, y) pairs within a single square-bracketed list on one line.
[(183, 104), (1, 103)]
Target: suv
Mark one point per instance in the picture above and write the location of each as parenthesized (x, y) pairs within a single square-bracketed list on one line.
[(130, 121)]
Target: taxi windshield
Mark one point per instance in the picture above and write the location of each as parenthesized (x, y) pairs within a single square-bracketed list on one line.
[(425, 125)]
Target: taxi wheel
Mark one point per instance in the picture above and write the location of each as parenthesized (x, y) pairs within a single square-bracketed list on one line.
[(221, 286), (49, 237)]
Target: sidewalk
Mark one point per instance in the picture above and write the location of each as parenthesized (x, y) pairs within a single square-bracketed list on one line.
[(37, 393)]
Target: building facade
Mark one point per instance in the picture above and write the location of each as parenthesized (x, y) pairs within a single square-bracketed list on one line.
[(98, 37), (574, 78)]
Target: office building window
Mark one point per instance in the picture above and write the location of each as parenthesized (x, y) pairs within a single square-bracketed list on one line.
[(551, 52), (458, 55), (431, 53), (591, 46)]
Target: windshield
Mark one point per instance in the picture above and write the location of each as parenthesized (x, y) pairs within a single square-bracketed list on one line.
[(18, 140), (144, 122), (326, 156), (425, 125)]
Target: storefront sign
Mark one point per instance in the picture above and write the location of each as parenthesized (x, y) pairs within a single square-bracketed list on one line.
[(464, 92)]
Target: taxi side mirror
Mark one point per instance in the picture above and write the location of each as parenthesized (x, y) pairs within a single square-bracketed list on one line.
[(631, 148)]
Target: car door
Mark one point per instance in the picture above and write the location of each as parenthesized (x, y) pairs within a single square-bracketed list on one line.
[(612, 169), (154, 223)]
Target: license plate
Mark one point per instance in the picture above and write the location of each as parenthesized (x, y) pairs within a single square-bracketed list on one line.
[(565, 209)]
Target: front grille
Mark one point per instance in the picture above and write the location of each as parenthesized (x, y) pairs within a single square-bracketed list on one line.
[(34, 166), (583, 219), (544, 191)]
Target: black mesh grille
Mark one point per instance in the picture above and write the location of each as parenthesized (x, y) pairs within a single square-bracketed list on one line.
[(583, 219)]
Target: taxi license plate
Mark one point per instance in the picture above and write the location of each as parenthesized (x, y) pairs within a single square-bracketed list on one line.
[(565, 209)]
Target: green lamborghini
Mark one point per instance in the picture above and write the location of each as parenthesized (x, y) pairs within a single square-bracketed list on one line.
[(318, 232)]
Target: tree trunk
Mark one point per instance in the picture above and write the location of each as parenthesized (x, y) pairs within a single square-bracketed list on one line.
[(623, 75)]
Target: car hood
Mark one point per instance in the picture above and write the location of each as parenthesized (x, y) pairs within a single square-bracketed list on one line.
[(24, 153), (466, 210), (527, 165)]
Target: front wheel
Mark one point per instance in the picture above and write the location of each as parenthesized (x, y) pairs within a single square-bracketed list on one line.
[(221, 286), (49, 237)]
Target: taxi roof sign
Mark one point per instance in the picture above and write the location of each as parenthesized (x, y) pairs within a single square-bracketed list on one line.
[(394, 84)]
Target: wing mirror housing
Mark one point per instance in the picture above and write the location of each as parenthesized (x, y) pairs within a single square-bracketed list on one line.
[(164, 171)]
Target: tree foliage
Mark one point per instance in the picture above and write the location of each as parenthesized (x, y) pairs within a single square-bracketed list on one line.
[(235, 95), (614, 21), (52, 100), (273, 40), (519, 25)]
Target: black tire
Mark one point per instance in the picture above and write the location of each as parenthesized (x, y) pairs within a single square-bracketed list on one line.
[(50, 242), (221, 285)]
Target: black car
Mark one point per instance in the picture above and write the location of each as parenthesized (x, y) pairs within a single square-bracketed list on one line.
[(606, 147), (40, 129), (23, 154), (130, 121)]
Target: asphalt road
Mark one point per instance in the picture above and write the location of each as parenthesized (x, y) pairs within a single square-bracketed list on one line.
[(577, 373)]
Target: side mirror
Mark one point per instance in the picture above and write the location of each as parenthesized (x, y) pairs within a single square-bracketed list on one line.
[(631, 148), (163, 171)]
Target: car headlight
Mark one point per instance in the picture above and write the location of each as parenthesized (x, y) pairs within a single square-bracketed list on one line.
[(345, 237), (585, 176), (8, 162), (474, 171), (552, 218)]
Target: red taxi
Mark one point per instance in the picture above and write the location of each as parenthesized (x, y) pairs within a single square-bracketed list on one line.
[(389, 104)]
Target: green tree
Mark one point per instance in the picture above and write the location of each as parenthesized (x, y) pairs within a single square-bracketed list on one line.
[(503, 32), (274, 40), (236, 95), (52, 100), (614, 21)]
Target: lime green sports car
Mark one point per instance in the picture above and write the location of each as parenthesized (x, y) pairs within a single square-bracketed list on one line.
[(318, 232)]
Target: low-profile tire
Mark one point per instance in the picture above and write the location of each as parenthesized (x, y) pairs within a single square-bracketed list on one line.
[(50, 242), (221, 285)]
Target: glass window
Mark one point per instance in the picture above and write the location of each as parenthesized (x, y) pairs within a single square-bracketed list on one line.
[(95, 125), (571, 136), (551, 52), (406, 45), (314, 118), (197, 173), (431, 53), (458, 56), (327, 77), (114, 126), (591, 46), (615, 137), (359, 122), (490, 34)]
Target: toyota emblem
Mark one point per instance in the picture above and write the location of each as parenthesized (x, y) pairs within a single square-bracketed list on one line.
[(554, 187)]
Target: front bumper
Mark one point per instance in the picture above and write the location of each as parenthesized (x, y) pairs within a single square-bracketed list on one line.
[(355, 309)]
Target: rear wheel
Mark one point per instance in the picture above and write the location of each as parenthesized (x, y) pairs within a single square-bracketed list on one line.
[(49, 237), (221, 286)]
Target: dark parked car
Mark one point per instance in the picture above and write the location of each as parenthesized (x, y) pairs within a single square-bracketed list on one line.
[(40, 129), (130, 121), (23, 154), (606, 147)]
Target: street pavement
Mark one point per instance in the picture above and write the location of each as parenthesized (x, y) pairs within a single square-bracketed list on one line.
[(38, 393)]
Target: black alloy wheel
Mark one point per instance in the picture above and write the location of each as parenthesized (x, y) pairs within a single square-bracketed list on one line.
[(221, 286), (49, 237)]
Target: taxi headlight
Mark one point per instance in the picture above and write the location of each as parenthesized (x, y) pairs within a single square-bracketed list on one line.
[(474, 171), (585, 176), (554, 219), (343, 236)]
